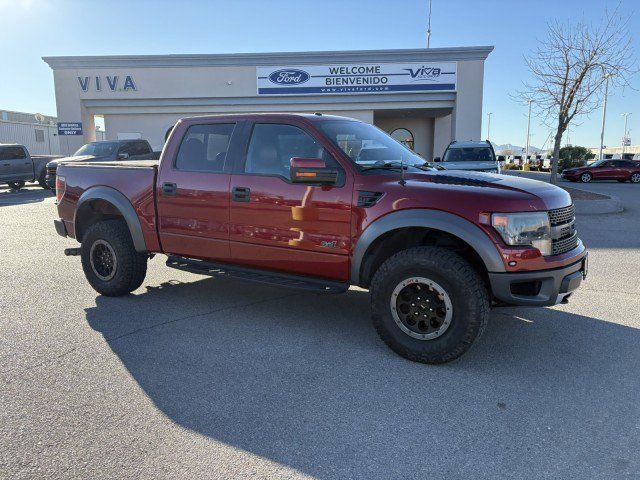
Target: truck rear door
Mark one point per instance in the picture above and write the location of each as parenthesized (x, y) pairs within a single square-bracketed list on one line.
[(193, 190)]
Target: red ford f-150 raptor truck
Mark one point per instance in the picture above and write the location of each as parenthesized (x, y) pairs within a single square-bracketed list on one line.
[(297, 201)]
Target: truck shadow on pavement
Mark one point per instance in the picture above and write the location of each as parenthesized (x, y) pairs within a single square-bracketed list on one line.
[(32, 194), (303, 380)]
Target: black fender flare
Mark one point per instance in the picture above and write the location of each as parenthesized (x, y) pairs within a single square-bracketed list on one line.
[(434, 219), (123, 204)]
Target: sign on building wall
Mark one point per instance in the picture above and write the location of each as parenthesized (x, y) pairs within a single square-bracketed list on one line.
[(354, 79), (69, 128)]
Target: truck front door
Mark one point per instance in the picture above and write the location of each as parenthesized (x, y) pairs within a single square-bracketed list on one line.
[(17, 164), (279, 225), (193, 192)]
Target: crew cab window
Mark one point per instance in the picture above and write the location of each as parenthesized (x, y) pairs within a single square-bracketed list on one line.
[(204, 148), (272, 146), (12, 153)]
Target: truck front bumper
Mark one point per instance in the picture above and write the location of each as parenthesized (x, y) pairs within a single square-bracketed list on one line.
[(538, 288), (60, 228)]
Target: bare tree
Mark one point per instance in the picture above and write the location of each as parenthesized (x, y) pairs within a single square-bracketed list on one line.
[(568, 71)]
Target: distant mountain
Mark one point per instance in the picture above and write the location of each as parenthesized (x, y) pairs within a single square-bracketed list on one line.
[(516, 149)]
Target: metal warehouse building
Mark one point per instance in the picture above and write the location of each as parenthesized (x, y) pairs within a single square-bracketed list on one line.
[(423, 97)]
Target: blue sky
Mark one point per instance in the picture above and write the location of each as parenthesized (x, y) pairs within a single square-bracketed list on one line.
[(35, 28)]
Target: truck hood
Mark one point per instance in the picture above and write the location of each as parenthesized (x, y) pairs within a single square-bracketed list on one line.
[(477, 191), (469, 165)]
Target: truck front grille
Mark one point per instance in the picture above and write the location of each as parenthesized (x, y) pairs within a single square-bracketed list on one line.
[(569, 240), (562, 215), (565, 244)]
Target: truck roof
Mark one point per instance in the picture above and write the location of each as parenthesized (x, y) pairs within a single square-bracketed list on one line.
[(468, 144), (314, 117)]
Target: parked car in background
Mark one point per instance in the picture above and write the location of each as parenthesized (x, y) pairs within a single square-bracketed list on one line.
[(282, 199), (107, 150), (17, 166), (476, 156), (545, 166), (620, 170)]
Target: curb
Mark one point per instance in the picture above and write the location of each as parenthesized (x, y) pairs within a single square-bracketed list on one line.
[(598, 207)]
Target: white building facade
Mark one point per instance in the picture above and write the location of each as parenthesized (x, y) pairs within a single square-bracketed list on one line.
[(424, 97), (37, 132)]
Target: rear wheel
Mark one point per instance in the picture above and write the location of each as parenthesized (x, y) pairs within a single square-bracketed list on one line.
[(16, 185), (635, 177), (110, 262), (428, 304), (586, 177)]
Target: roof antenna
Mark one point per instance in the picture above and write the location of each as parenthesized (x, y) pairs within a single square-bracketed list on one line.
[(402, 180)]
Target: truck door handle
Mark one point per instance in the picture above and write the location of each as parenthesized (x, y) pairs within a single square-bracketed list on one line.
[(169, 189), (241, 194)]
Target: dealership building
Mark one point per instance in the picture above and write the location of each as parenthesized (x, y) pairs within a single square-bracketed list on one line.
[(423, 97)]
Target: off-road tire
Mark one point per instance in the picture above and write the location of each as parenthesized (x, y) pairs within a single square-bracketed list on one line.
[(466, 289), (131, 265)]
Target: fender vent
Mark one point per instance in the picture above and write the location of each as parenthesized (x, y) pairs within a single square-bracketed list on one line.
[(368, 199)]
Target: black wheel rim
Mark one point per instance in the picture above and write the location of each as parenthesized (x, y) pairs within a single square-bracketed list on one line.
[(103, 260), (421, 308)]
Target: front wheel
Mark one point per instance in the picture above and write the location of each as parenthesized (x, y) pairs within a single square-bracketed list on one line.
[(16, 185), (586, 177), (42, 180), (110, 262), (428, 304), (635, 177)]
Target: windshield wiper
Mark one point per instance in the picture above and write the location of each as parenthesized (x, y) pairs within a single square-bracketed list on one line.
[(385, 166)]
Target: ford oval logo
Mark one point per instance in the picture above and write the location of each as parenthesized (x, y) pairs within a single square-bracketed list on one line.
[(289, 76)]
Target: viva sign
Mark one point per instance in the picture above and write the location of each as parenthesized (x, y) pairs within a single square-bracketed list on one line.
[(113, 83)]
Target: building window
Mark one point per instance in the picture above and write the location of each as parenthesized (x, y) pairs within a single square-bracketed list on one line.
[(39, 135), (403, 136)]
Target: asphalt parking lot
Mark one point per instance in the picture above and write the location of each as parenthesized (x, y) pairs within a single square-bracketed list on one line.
[(193, 377)]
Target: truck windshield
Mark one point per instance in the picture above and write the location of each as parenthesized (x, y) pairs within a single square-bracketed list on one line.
[(469, 154), (367, 145), (99, 149)]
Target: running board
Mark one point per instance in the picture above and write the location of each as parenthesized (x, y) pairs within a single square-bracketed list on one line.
[(202, 267)]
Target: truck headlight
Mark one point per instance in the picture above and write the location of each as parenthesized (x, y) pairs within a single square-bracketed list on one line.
[(531, 228)]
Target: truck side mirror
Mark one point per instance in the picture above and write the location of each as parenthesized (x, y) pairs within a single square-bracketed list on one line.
[(123, 156), (437, 159), (312, 170)]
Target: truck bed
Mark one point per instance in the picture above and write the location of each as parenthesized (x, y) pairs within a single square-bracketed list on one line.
[(134, 179), (118, 163)]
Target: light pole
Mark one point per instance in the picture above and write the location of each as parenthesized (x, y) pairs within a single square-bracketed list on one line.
[(429, 27), (624, 135), (528, 128), (489, 125), (607, 76)]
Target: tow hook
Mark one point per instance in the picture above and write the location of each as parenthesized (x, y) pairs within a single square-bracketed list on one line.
[(72, 252)]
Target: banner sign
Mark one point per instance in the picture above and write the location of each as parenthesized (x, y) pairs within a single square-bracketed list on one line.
[(350, 79), (69, 128)]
